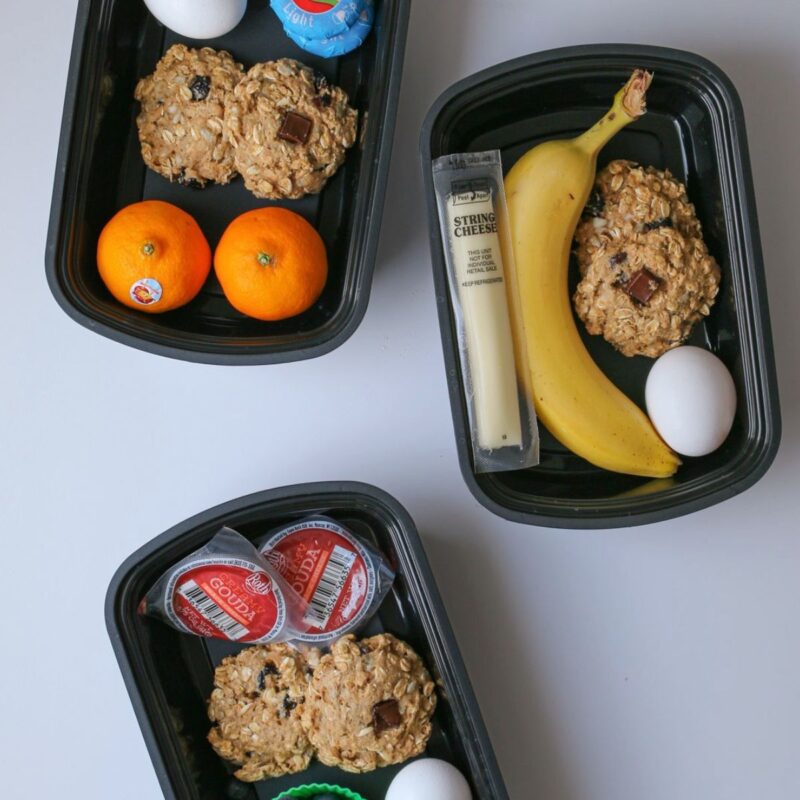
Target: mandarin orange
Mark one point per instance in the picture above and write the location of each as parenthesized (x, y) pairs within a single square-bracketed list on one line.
[(271, 264), (153, 256)]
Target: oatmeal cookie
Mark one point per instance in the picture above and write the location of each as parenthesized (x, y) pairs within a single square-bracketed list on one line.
[(369, 704), (181, 119), (290, 129), (646, 274), (256, 707)]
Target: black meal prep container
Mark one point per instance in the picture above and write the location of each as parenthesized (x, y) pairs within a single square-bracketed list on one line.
[(694, 126), (169, 674), (100, 170)]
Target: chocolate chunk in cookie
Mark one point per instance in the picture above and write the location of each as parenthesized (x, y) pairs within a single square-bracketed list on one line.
[(642, 285), (295, 128), (385, 716)]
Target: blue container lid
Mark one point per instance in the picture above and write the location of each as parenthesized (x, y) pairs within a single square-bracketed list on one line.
[(341, 43), (298, 21)]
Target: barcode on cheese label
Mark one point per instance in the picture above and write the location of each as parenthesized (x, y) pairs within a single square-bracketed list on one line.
[(210, 611), (329, 587)]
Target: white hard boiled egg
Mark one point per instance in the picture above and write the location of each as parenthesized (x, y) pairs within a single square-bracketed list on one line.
[(198, 19), (691, 400), (429, 778)]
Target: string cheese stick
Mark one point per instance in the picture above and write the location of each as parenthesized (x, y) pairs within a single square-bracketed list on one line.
[(478, 266)]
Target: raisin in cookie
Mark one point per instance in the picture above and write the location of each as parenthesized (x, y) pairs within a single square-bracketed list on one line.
[(181, 119), (646, 274), (256, 707), (290, 129), (369, 704)]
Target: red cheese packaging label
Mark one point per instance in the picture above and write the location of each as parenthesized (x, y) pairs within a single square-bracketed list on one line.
[(227, 590), (342, 579)]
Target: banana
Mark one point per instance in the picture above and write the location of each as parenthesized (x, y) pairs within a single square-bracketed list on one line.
[(546, 191)]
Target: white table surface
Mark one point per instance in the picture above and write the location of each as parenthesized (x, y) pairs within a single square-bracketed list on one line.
[(656, 663)]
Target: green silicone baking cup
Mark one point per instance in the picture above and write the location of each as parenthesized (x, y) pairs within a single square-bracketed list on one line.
[(317, 788)]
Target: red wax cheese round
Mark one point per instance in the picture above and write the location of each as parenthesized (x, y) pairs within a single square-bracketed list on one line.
[(227, 590), (226, 598), (330, 569)]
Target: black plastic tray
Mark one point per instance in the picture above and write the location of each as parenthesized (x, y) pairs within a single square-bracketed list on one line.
[(169, 674), (695, 127), (99, 170)]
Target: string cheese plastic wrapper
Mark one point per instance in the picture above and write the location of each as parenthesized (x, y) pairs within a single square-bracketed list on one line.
[(473, 218)]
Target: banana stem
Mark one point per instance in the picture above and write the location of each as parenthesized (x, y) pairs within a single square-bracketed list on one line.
[(629, 104)]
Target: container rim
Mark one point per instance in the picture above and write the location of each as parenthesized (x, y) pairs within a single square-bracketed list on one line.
[(572, 53), (375, 174), (640, 511)]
